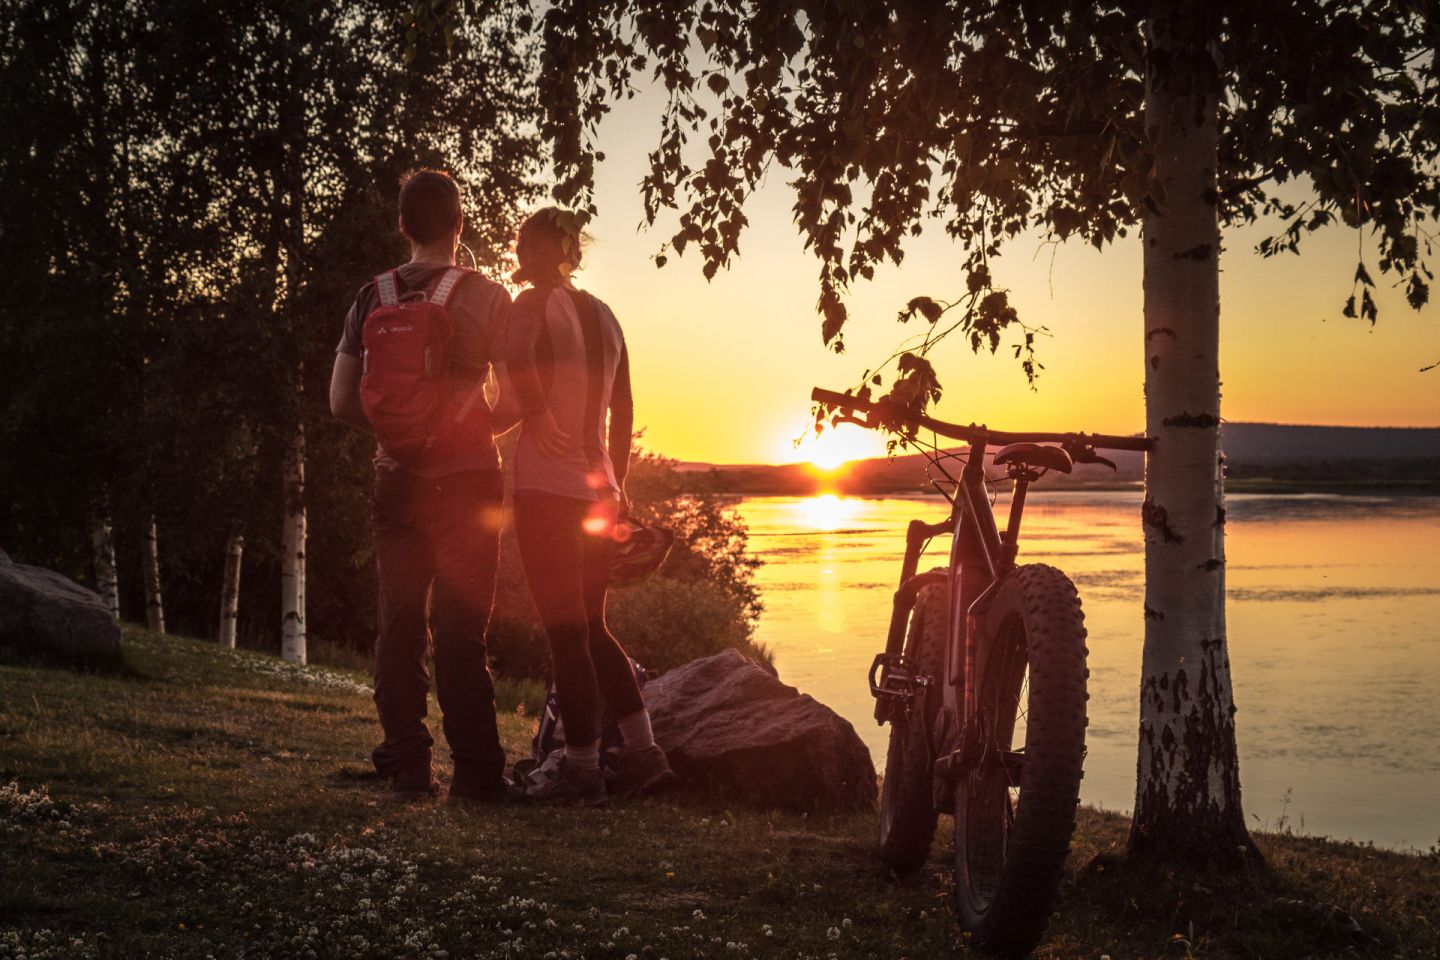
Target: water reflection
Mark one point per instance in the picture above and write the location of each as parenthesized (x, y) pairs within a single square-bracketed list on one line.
[(1334, 622)]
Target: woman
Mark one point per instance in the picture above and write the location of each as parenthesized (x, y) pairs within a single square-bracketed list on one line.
[(568, 367)]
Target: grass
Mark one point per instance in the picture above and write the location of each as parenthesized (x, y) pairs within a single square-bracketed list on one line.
[(194, 802)]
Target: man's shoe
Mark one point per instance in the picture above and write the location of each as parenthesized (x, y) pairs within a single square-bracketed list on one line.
[(465, 788), (415, 782), (570, 785), (644, 772)]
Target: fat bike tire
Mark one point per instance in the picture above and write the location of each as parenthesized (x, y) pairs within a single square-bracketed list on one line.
[(907, 805), (1015, 812)]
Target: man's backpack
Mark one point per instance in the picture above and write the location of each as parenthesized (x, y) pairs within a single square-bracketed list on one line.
[(406, 388)]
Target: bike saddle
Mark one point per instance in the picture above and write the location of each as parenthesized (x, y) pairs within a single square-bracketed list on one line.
[(1034, 455)]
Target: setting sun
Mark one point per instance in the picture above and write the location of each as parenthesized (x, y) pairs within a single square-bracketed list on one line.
[(838, 446)]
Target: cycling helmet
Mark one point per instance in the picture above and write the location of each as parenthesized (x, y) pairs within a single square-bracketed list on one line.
[(640, 549)]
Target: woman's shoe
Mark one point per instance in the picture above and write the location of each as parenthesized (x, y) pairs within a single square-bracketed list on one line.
[(570, 785), (644, 772)]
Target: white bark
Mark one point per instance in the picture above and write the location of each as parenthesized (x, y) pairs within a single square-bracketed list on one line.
[(230, 590), (1187, 791), (107, 583), (154, 603), (292, 574)]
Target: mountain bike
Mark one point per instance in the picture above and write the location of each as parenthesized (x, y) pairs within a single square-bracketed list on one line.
[(983, 683)]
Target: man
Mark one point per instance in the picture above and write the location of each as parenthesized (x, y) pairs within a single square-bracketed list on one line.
[(437, 524)]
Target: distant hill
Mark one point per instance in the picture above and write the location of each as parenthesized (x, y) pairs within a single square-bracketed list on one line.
[(1256, 443), (1260, 456)]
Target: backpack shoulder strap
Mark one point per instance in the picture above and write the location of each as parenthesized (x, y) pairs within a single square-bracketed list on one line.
[(445, 289), (387, 288)]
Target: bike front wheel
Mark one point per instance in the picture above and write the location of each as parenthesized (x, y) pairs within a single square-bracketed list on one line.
[(1015, 810)]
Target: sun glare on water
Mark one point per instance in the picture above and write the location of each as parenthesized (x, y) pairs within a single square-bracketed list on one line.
[(826, 512)]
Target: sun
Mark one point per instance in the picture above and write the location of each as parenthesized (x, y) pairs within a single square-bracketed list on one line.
[(840, 445)]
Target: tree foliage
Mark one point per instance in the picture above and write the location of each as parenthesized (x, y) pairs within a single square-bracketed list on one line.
[(193, 192), (986, 120)]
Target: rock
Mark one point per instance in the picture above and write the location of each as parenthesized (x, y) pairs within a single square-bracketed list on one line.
[(48, 613), (730, 726)]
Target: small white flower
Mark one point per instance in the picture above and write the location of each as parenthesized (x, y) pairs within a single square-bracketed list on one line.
[(833, 933), (845, 923)]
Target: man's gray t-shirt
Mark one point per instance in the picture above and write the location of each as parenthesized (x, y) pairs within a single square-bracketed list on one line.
[(478, 309)]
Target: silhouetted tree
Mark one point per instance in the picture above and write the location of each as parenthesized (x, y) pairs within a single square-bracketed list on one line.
[(89, 235), (192, 193), (1079, 120)]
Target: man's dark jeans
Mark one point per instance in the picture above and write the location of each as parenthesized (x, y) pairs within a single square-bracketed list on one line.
[(437, 540)]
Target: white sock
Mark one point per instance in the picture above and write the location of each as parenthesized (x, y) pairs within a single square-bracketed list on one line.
[(635, 729), (585, 757)]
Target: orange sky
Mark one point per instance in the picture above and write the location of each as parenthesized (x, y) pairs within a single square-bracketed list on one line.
[(723, 370)]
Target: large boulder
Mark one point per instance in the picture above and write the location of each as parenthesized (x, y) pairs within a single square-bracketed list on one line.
[(48, 613), (730, 726)]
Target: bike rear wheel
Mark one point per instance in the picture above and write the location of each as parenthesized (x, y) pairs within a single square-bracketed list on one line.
[(907, 804), (1015, 811)]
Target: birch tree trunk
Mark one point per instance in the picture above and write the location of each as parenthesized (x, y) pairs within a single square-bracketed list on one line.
[(230, 590), (107, 583), (154, 604), (1187, 801), (292, 573)]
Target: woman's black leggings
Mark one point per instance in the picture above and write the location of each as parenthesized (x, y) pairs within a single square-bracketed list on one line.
[(569, 572)]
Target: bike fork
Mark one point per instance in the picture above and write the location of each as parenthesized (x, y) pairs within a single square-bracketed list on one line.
[(892, 679)]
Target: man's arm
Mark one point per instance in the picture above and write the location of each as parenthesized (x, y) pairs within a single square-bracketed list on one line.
[(345, 391), (507, 413)]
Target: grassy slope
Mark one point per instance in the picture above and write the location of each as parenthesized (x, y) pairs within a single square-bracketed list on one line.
[(200, 803)]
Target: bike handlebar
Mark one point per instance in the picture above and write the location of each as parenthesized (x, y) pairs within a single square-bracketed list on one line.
[(973, 433)]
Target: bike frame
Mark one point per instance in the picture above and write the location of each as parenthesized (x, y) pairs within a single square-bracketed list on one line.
[(981, 557)]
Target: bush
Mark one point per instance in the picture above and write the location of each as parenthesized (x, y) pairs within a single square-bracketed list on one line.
[(666, 622)]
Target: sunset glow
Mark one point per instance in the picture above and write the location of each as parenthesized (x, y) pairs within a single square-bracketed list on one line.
[(838, 446), (728, 379)]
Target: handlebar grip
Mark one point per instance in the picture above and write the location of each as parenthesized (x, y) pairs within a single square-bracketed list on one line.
[(837, 399)]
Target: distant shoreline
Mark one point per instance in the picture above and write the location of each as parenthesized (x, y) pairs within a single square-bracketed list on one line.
[(1357, 488), (1260, 458), (801, 481)]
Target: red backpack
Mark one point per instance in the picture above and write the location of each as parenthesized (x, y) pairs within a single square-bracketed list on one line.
[(406, 388)]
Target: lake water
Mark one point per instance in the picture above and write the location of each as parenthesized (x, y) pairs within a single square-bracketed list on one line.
[(1334, 627)]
